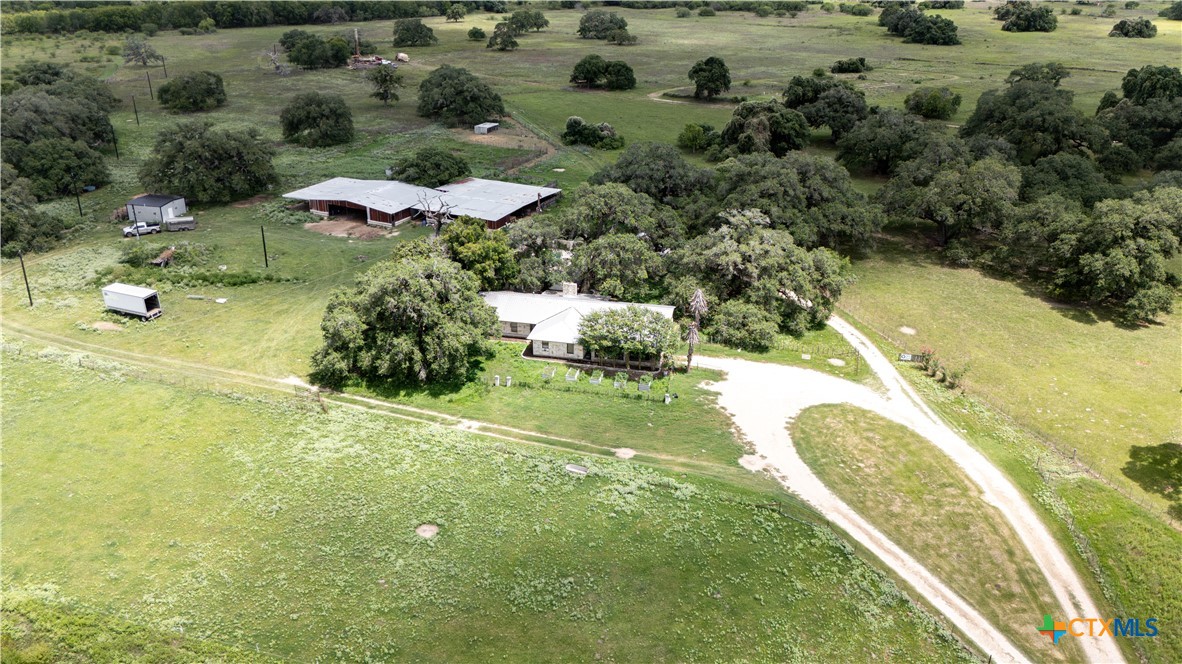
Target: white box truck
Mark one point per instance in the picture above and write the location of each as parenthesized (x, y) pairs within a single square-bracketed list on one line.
[(132, 300)]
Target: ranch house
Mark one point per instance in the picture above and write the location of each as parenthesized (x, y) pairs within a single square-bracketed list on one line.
[(388, 202), (551, 322)]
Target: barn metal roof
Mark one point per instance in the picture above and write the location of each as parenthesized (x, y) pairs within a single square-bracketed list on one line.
[(491, 200), (154, 200), (127, 289), (389, 196)]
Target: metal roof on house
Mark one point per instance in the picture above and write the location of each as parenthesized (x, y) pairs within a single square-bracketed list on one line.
[(489, 200), (488, 125), (556, 318), (154, 200), (127, 289), (389, 196)]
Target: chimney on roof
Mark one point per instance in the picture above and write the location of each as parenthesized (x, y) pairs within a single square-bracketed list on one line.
[(570, 289)]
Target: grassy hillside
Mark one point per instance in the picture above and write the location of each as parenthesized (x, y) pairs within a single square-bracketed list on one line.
[(1067, 373), (269, 525)]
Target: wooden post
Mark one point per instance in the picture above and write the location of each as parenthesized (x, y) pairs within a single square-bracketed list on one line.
[(266, 261), (137, 111), (26, 276), (115, 140), (151, 95), (165, 63)]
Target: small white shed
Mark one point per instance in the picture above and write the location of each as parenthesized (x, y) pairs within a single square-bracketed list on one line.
[(132, 300), (487, 127), (156, 207)]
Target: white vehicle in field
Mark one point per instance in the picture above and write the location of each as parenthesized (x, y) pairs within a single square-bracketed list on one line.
[(132, 300), (141, 228)]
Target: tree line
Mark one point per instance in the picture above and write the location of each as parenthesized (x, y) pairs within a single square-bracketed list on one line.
[(32, 17)]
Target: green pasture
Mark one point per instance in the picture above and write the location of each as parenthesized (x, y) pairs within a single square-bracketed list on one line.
[(273, 528), (925, 503), (1069, 374), (259, 524), (1121, 547)]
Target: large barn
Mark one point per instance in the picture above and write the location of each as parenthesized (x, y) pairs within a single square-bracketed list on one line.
[(388, 202)]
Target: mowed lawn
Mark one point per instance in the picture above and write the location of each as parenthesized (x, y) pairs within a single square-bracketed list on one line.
[(1068, 373), (925, 503), (269, 525)]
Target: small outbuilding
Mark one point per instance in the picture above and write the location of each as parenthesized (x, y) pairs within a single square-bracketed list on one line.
[(156, 207), (132, 300), (487, 127)]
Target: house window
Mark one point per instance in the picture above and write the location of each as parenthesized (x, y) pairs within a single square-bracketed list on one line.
[(545, 346), (570, 349), (513, 328)]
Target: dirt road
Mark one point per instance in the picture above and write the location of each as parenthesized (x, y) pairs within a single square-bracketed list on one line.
[(763, 398)]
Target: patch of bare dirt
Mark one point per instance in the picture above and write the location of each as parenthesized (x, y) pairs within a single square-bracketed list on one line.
[(515, 137), (907, 330), (427, 530), (625, 452), (251, 202), (104, 326), (347, 228), (752, 462)]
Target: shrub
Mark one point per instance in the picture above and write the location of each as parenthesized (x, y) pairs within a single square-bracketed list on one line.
[(601, 136), (313, 119), (1075, 11), (743, 325), (476, 34), (933, 103), (149, 29), (1132, 4), (706, 11), (1109, 11), (621, 38), (193, 91), (206, 26), (1173, 12), (856, 9), (850, 66), (1139, 28), (683, 12)]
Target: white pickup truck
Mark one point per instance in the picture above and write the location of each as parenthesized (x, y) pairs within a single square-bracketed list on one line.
[(141, 228), (150, 227)]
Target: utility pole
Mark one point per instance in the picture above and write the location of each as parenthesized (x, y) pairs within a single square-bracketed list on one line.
[(26, 276), (77, 196), (266, 261)]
